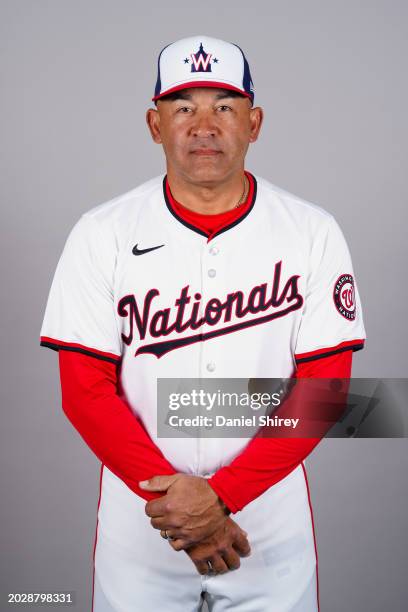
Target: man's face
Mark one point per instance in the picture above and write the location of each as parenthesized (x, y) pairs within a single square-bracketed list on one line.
[(205, 132)]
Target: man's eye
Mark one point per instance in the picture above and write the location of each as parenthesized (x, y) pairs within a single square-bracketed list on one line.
[(223, 107), (183, 109)]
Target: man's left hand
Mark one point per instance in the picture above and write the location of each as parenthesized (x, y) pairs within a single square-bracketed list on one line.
[(189, 512)]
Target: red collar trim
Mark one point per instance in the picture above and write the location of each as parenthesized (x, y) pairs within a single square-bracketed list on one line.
[(211, 225)]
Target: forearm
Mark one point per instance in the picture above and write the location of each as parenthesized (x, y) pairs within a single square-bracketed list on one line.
[(106, 423), (265, 461)]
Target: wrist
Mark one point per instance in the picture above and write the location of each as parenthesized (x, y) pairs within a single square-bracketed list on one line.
[(225, 484), (224, 507), (220, 501)]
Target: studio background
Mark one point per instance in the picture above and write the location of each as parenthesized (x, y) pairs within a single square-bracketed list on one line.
[(77, 78)]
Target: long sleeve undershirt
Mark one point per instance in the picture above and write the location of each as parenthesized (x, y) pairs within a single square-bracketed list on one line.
[(118, 438)]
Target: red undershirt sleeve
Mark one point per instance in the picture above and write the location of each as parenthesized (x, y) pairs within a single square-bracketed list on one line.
[(266, 461), (106, 423), (119, 440)]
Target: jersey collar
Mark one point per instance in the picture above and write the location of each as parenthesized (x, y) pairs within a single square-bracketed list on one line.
[(248, 206)]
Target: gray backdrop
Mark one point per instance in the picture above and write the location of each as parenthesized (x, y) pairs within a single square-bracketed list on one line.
[(77, 79)]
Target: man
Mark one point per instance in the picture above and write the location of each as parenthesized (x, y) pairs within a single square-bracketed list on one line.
[(208, 271)]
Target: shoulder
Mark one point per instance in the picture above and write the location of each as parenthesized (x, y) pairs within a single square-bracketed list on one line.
[(290, 205), (127, 203), (112, 220)]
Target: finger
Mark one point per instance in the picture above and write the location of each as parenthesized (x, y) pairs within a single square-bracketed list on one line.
[(218, 565), (156, 507), (158, 483), (202, 567), (231, 559), (171, 524), (241, 545), (175, 543), (179, 544), (163, 523), (166, 535)]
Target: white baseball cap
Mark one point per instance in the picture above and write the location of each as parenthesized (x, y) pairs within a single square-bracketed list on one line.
[(201, 61)]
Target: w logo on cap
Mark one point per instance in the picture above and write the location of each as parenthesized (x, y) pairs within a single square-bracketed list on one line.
[(201, 60)]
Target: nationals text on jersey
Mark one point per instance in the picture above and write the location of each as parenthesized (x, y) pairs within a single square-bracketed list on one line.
[(260, 298)]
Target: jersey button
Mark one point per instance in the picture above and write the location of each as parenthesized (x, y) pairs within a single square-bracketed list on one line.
[(212, 273), (214, 250), (211, 366)]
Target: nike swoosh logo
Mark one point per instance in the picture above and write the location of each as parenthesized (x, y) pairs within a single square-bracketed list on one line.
[(137, 251)]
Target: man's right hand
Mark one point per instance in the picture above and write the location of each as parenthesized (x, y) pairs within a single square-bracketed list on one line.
[(220, 552)]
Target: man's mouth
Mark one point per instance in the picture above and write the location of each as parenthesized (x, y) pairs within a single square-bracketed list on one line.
[(206, 152)]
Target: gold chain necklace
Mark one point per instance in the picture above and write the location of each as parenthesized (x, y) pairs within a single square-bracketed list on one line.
[(244, 193)]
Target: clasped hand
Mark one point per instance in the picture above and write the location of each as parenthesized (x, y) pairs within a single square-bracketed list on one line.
[(194, 519)]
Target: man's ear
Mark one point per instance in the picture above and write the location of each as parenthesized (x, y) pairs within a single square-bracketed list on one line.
[(153, 122), (256, 118)]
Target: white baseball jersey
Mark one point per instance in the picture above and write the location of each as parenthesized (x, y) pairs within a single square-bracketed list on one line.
[(137, 284)]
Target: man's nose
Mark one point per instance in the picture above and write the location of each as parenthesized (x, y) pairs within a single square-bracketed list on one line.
[(204, 125)]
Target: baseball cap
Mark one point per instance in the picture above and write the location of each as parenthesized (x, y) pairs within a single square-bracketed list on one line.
[(202, 61)]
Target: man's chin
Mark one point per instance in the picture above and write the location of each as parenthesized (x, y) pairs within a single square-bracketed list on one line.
[(206, 173)]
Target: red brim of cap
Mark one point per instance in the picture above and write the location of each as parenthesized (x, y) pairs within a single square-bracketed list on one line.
[(201, 84)]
